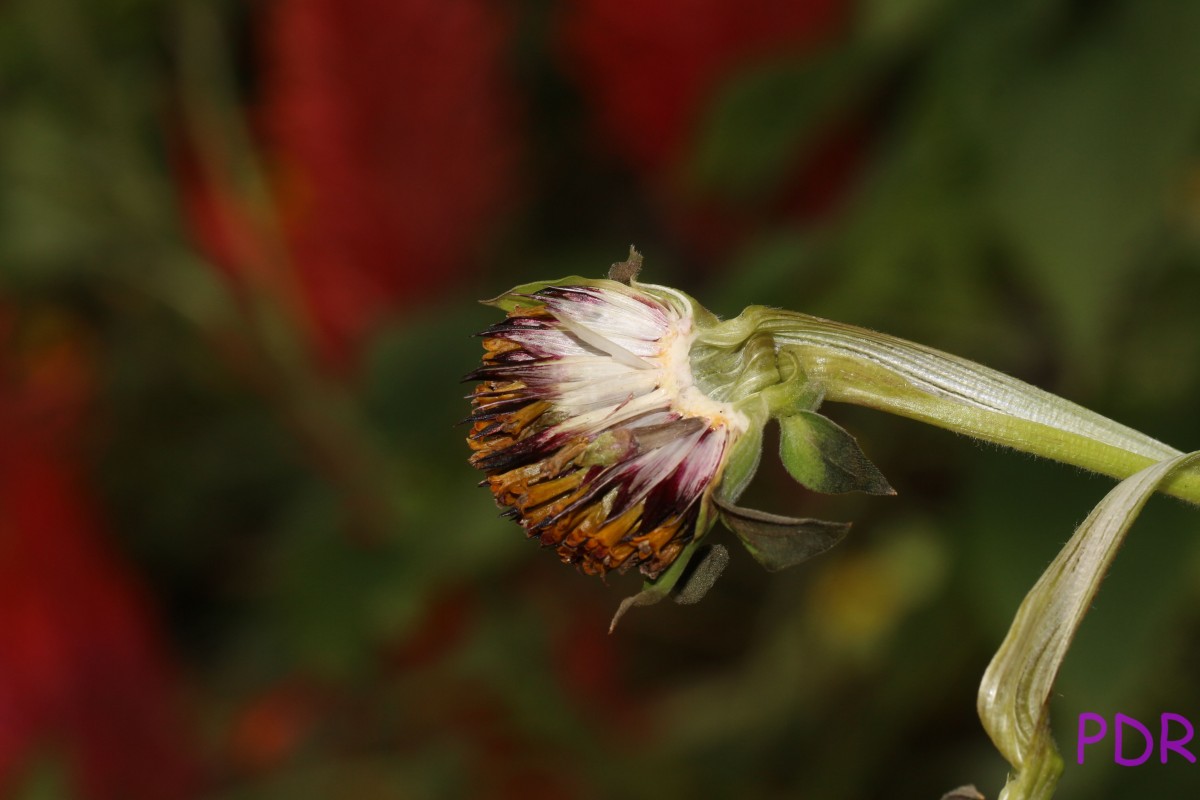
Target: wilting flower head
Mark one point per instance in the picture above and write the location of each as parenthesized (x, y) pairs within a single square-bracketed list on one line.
[(591, 427), (616, 421)]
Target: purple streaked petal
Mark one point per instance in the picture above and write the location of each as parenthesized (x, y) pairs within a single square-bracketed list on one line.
[(607, 318), (604, 344), (550, 342), (646, 471), (486, 411), (522, 453), (515, 323), (514, 357), (701, 468)]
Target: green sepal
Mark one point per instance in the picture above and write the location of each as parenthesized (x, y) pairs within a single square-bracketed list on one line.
[(779, 542), (683, 581), (513, 297), (738, 373), (693, 587), (697, 581), (745, 454), (795, 392), (823, 457)]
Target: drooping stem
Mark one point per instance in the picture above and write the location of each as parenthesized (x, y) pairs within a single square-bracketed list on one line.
[(856, 365)]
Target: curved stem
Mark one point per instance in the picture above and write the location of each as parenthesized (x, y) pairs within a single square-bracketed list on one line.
[(856, 365)]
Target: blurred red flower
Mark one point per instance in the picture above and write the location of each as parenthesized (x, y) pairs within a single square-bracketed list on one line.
[(389, 123), (84, 678), (651, 66), (388, 130), (650, 70)]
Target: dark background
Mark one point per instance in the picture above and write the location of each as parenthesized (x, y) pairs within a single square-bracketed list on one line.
[(241, 552)]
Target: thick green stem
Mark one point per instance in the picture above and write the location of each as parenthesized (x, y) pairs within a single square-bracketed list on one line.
[(855, 365)]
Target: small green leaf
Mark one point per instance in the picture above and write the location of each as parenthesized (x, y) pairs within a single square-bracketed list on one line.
[(650, 594), (779, 542), (825, 458), (700, 579)]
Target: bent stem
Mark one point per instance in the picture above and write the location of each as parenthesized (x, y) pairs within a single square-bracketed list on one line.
[(855, 365)]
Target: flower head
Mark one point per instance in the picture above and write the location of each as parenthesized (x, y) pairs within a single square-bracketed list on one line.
[(591, 427)]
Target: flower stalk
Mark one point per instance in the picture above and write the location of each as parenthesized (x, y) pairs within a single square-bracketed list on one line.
[(854, 365)]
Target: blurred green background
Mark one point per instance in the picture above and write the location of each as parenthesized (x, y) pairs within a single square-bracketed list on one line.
[(241, 553)]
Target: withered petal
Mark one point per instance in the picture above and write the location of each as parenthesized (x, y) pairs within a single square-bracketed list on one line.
[(611, 478)]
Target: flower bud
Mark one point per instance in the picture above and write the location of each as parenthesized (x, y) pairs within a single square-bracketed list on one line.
[(594, 430)]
